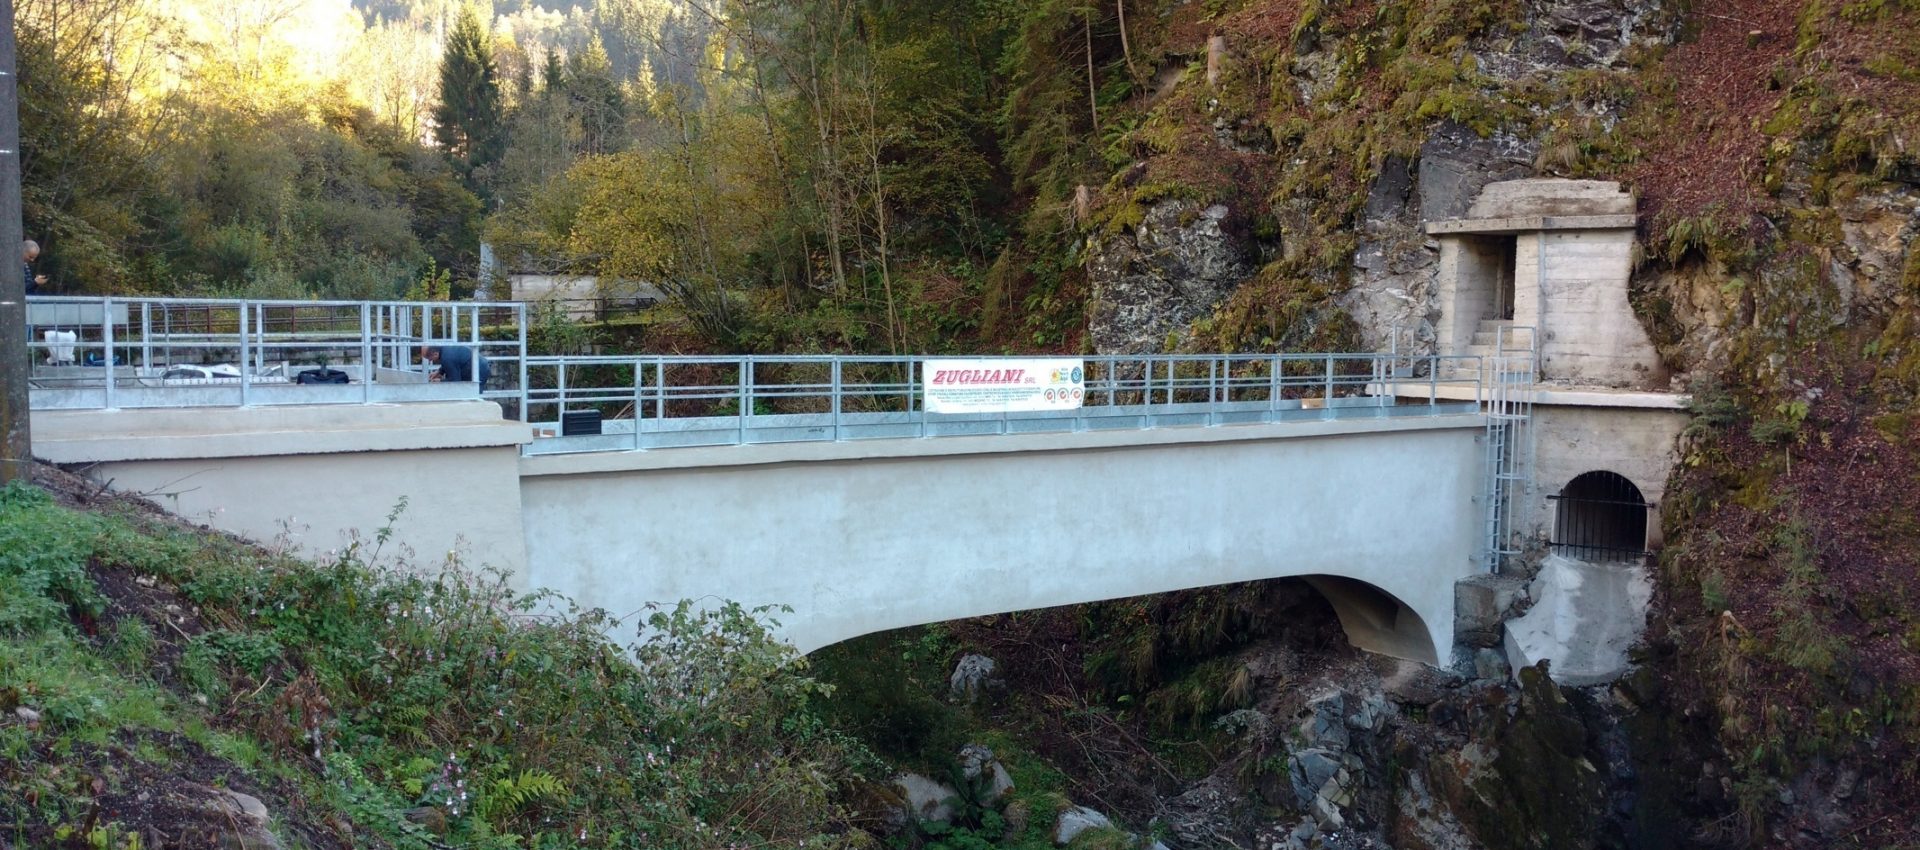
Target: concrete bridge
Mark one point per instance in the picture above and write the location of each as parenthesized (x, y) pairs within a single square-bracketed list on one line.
[(829, 485), (1408, 489)]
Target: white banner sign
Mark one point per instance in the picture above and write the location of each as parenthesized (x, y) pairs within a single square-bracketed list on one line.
[(1003, 386)]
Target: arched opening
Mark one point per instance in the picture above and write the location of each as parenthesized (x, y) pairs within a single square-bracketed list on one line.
[(1600, 516), (1376, 621)]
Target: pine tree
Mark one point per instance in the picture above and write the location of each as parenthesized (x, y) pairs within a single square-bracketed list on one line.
[(467, 122), (596, 111), (553, 76)]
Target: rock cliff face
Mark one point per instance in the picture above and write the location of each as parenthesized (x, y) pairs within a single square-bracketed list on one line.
[(1393, 270), (1154, 280), (1150, 282)]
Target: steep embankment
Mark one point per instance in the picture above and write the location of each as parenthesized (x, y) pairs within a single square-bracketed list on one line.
[(166, 687)]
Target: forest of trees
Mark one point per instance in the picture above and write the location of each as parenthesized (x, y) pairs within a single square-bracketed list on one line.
[(820, 173)]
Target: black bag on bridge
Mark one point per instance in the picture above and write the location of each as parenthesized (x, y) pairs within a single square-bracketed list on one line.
[(320, 376)]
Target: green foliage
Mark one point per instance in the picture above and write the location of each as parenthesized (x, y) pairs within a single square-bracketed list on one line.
[(439, 691), (43, 560), (467, 122), (162, 167), (1784, 426)]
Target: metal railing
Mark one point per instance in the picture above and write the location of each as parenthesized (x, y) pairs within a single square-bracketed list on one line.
[(614, 403), (194, 352)]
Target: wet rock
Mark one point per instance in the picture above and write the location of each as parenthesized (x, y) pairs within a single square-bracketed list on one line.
[(973, 677), (26, 715), (1077, 820), (979, 765), (1175, 266)]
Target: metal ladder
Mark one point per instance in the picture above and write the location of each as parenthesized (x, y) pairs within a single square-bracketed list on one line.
[(1509, 376)]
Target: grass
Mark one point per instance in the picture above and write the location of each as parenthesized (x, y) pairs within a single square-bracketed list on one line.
[(353, 693)]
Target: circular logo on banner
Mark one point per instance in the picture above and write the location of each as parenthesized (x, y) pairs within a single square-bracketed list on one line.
[(1076, 393), (1076, 377), (1049, 395)]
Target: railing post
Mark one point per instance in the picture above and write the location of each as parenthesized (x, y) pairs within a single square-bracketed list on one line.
[(639, 402), (745, 396), (1213, 390), (1273, 388), (246, 357), (366, 353), (146, 335), (660, 389), (836, 398), (1327, 402), (520, 320), (260, 344), (106, 340), (473, 321), (915, 401)]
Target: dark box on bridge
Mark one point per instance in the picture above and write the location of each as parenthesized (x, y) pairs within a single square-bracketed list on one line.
[(579, 423)]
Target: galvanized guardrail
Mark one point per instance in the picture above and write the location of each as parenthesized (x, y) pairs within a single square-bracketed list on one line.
[(625, 403), (198, 352)]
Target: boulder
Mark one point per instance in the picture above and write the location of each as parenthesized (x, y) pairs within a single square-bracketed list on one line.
[(973, 677), (1077, 820), (927, 799), (1481, 603), (979, 765), (247, 819)]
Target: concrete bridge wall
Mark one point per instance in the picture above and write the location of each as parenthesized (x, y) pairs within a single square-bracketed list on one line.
[(311, 476), (863, 537)]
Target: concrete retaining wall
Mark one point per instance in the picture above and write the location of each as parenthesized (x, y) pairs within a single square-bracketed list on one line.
[(312, 476)]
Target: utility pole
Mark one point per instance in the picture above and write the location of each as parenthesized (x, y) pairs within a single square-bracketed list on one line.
[(16, 441)]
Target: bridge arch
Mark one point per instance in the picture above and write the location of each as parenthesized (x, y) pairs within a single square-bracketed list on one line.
[(1372, 618), (1601, 516), (1375, 620)]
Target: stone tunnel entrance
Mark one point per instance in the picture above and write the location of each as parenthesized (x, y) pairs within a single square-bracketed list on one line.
[(1600, 517)]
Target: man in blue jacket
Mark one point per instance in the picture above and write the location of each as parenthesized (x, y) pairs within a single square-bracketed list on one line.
[(30, 251), (457, 363)]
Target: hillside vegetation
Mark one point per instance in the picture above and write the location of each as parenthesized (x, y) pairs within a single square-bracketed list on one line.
[(147, 666)]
